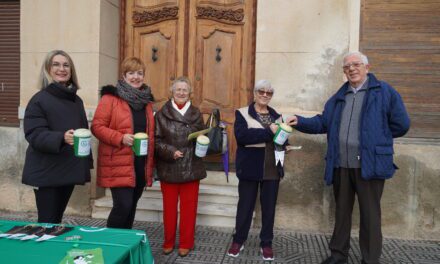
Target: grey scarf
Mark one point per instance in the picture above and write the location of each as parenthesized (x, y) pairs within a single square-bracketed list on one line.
[(136, 98)]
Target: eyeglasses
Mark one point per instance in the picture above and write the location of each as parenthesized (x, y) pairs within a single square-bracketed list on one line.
[(355, 64), (179, 90), (267, 93), (59, 65)]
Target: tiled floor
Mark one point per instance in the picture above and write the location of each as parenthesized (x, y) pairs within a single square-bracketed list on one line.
[(289, 247)]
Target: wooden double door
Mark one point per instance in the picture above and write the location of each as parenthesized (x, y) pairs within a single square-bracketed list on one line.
[(212, 42)]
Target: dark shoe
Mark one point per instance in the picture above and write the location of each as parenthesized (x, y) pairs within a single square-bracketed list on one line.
[(332, 260), (267, 253), (167, 251), (183, 252), (235, 249)]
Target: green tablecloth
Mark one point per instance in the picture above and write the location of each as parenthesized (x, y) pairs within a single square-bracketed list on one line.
[(118, 245)]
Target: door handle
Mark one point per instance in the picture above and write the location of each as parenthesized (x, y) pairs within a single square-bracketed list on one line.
[(3, 87), (218, 58), (154, 55)]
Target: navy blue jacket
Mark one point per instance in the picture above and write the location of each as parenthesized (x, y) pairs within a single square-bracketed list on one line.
[(383, 118), (249, 161), (50, 162)]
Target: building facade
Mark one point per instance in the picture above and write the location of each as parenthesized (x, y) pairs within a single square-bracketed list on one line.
[(298, 45)]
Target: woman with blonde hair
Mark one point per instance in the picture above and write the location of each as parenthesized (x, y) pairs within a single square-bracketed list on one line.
[(50, 119), (124, 110)]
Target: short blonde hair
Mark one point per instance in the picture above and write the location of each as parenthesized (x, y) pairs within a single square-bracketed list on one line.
[(132, 64), (46, 79), (182, 79)]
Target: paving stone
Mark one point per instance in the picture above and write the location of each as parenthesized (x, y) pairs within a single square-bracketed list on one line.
[(212, 244)]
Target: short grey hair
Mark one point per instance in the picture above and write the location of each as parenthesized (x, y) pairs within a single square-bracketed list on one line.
[(263, 84), (181, 79), (362, 56)]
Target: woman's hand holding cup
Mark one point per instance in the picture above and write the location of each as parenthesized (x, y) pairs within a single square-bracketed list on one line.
[(127, 140), (68, 137), (273, 127)]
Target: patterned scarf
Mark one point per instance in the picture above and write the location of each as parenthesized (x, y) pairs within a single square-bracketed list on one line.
[(136, 98)]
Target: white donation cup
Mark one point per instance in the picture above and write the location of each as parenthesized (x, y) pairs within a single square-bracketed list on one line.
[(282, 133), (140, 144), (81, 142), (202, 146)]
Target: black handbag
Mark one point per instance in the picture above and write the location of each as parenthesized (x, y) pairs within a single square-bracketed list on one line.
[(215, 135)]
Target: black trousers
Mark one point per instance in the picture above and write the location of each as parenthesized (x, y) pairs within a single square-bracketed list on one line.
[(52, 202), (247, 191), (125, 201), (347, 183)]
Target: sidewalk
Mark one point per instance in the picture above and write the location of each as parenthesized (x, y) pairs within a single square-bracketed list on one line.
[(289, 247)]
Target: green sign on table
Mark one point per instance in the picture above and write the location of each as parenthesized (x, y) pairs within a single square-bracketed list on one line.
[(86, 256)]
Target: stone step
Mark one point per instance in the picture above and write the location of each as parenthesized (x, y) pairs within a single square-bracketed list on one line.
[(156, 204), (207, 193), (150, 209), (219, 178), (217, 202)]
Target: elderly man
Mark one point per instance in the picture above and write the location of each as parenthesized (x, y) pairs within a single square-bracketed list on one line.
[(360, 121)]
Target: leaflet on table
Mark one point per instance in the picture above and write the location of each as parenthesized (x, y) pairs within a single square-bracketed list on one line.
[(33, 231), (83, 256), (17, 231)]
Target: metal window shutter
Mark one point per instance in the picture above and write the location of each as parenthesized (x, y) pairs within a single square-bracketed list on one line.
[(9, 62)]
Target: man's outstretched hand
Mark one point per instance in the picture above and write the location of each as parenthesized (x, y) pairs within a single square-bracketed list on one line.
[(292, 120)]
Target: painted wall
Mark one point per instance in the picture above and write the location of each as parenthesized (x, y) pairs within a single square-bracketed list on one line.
[(87, 30), (299, 48)]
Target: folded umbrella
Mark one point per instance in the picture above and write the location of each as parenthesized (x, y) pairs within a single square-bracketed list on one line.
[(225, 155)]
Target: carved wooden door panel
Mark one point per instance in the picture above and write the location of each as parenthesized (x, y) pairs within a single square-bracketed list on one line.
[(221, 57), (210, 41), (152, 34)]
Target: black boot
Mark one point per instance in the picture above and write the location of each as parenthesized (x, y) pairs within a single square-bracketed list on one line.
[(332, 260)]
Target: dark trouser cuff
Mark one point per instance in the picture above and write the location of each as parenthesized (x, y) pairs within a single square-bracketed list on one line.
[(266, 243)]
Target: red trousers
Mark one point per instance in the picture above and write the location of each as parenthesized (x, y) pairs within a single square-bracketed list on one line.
[(189, 195)]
